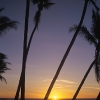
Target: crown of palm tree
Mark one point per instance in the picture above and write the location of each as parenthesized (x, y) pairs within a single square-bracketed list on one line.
[(46, 4), (42, 3), (6, 23)]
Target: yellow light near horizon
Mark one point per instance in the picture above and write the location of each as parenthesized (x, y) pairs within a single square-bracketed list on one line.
[(55, 97)]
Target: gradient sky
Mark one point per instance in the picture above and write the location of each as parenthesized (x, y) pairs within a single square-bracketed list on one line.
[(48, 47)]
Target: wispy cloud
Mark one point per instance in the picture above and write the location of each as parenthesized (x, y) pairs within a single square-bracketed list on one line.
[(63, 81), (58, 87), (45, 80), (93, 88), (67, 81), (66, 90)]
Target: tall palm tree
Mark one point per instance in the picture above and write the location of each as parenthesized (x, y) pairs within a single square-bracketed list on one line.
[(24, 51), (5, 25), (69, 47), (3, 66), (92, 38), (42, 4)]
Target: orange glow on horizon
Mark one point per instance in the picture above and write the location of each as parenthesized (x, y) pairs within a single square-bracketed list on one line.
[(55, 94)]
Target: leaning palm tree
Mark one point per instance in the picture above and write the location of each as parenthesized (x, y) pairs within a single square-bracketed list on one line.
[(42, 4), (5, 25), (69, 47), (92, 38)]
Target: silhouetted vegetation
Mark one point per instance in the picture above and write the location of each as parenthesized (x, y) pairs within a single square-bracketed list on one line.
[(5, 25), (92, 37), (69, 47), (3, 66), (41, 4)]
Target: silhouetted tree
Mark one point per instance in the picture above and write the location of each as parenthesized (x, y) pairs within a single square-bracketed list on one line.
[(69, 47), (92, 38), (24, 55), (41, 4), (5, 25)]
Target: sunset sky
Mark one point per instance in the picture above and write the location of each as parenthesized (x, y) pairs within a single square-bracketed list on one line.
[(48, 47)]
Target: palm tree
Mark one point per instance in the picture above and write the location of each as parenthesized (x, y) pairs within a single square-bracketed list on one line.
[(5, 25), (42, 4), (3, 66), (24, 51), (92, 38), (69, 47)]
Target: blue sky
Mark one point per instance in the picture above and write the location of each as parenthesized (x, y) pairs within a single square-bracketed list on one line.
[(48, 47)]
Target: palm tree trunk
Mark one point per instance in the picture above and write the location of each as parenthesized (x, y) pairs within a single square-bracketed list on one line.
[(25, 50), (18, 89), (23, 81), (67, 52), (24, 63), (30, 40), (83, 80), (22, 77)]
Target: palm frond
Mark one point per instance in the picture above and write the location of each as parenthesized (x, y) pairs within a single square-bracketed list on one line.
[(45, 1), (3, 63), (6, 24), (4, 66), (84, 33), (39, 1), (35, 1), (47, 5), (1, 9), (3, 56), (94, 4), (73, 28), (95, 28), (3, 69), (2, 78)]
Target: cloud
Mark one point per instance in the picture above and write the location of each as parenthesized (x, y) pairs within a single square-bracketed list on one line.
[(46, 80), (67, 81), (64, 81), (93, 88), (58, 87)]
